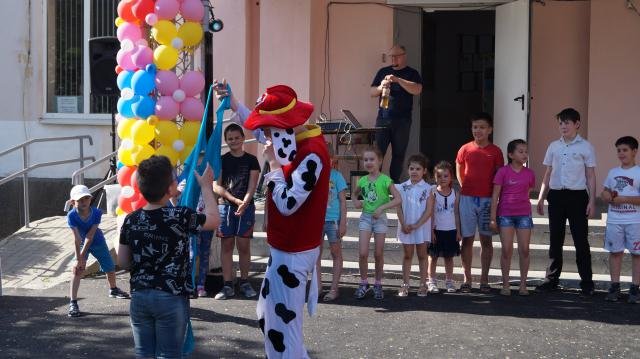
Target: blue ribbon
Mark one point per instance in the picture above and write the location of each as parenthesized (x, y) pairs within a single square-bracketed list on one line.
[(213, 156)]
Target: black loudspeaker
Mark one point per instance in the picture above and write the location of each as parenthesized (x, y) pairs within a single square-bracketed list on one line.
[(102, 65)]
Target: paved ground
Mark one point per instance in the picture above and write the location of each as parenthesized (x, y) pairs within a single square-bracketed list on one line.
[(33, 324)]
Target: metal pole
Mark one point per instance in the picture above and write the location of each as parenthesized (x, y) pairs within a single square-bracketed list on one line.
[(81, 157), (25, 187)]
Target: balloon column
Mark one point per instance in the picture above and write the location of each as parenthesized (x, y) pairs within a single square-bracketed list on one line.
[(159, 110)]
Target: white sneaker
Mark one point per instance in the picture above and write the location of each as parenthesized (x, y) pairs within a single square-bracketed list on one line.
[(450, 287), (432, 287), (226, 293)]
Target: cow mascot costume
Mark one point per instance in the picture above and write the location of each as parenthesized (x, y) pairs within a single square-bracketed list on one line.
[(298, 189)]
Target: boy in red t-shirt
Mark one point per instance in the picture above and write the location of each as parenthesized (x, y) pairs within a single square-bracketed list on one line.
[(476, 164)]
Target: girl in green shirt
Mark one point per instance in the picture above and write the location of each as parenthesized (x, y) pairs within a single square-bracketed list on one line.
[(375, 189)]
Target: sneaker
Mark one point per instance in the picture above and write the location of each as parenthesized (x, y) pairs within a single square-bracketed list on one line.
[(587, 292), (74, 310), (614, 293), (433, 288), (422, 291), (404, 290), (634, 294), (201, 292), (377, 292), (450, 287), (362, 291), (546, 286), (226, 293), (247, 290), (118, 293)]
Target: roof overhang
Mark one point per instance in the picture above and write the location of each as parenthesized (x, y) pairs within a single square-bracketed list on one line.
[(434, 5)]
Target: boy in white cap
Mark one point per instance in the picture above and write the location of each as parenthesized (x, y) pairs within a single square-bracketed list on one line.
[(84, 221)]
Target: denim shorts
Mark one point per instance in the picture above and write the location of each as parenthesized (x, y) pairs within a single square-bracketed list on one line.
[(102, 254), (234, 226), (330, 230), (518, 222), (159, 323), (370, 224), (475, 213)]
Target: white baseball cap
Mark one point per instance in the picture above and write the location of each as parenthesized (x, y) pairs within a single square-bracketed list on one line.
[(79, 191)]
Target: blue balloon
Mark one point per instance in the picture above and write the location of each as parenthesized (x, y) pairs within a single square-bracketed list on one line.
[(125, 106), (143, 82), (119, 165), (143, 107), (124, 79)]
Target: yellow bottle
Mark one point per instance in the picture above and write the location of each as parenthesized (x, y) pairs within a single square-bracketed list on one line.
[(384, 98)]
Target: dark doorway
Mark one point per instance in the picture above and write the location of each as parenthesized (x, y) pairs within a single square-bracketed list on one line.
[(457, 69)]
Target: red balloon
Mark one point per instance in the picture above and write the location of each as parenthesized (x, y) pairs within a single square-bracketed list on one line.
[(138, 201), (124, 11), (142, 8), (124, 175), (125, 204), (119, 69), (134, 181)]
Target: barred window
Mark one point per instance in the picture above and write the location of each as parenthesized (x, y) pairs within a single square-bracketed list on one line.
[(70, 24)]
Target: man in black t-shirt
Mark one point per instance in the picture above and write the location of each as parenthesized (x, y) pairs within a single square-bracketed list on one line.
[(403, 82)]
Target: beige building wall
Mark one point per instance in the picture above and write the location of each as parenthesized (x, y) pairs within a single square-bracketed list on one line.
[(559, 72), (614, 79)]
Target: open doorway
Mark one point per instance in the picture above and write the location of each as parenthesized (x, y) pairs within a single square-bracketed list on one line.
[(458, 73)]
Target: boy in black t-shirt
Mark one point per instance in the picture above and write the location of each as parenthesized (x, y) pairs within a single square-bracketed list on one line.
[(154, 243), (235, 187)]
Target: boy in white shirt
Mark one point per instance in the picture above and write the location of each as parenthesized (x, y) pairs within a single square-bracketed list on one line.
[(622, 192), (569, 186)]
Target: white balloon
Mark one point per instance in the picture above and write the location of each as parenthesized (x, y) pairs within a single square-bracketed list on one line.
[(177, 43), (151, 19), (127, 191), (127, 93), (179, 95), (127, 45), (178, 145), (126, 144)]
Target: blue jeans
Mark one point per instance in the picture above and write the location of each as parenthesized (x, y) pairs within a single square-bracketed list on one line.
[(159, 322), (204, 247)]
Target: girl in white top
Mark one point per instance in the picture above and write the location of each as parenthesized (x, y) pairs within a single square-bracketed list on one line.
[(446, 224), (414, 216)]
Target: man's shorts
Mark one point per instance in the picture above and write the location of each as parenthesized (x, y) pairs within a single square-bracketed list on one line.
[(475, 213), (330, 230), (617, 237), (517, 222), (370, 224), (101, 253), (234, 226)]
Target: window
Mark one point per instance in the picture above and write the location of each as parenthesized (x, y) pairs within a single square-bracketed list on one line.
[(70, 24)]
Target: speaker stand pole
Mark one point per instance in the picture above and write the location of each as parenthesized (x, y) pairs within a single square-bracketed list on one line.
[(113, 168)]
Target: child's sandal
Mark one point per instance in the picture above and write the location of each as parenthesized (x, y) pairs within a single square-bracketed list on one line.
[(404, 290), (331, 295)]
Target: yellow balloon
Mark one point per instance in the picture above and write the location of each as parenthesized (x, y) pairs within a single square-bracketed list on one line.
[(167, 132), (120, 212), (152, 120), (189, 132), (124, 127), (124, 156), (142, 133), (119, 21), (171, 154), (140, 153), (185, 153), (191, 33), (165, 57), (163, 32)]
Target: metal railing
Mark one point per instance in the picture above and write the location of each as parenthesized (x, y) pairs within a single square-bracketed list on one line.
[(26, 168)]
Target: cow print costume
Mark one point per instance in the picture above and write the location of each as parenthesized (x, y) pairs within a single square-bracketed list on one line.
[(296, 203), (296, 207)]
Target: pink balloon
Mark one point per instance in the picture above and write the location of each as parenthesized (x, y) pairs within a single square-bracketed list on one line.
[(166, 108), (167, 82), (167, 9), (129, 31), (124, 60), (192, 10), (192, 108), (192, 83), (142, 56)]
